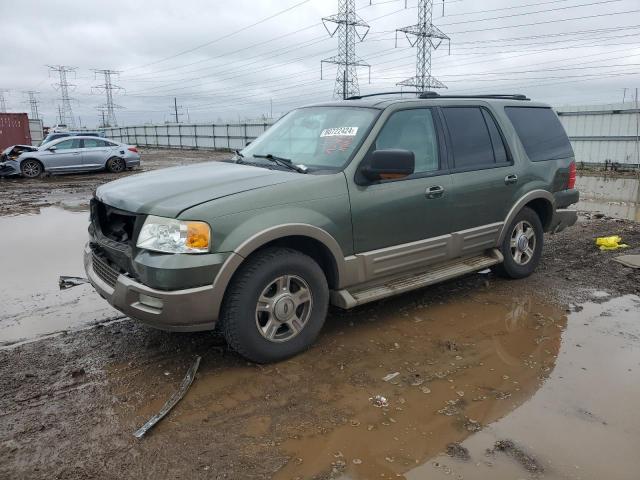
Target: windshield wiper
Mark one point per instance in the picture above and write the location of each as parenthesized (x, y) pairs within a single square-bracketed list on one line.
[(284, 162)]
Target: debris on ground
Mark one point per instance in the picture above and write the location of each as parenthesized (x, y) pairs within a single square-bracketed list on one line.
[(379, 401), (613, 242), (632, 261), (456, 450), (510, 448), (67, 282), (391, 376), (175, 398)]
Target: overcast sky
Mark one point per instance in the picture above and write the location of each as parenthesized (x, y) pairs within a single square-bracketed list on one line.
[(220, 66)]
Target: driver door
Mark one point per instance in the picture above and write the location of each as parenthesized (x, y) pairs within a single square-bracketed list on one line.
[(67, 155), (401, 222)]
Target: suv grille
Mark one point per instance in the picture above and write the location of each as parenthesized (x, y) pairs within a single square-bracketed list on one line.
[(115, 224), (104, 270)]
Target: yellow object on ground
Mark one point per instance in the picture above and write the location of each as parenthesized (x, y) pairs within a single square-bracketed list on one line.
[(610, 243)]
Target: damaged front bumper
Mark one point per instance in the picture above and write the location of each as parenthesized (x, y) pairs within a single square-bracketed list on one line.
[(188, 310), (9, 167)]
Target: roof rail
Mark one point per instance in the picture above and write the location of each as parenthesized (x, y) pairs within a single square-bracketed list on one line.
[(358, 97), (505, 96)]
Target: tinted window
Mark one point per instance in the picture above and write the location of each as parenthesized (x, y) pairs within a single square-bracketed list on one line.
[(68, 144), (412, 130), (540, 132), (499, 147), (470, 137), (91, 143)]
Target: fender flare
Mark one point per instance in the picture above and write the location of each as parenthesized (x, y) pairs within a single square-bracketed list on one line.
[(522, 201)]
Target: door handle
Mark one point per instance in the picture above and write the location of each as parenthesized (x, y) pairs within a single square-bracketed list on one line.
[(435, 191), (509, 179)]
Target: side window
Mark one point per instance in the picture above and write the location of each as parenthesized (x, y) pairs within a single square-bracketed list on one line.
[(412, 130), (68, 144), (94, 143), (540, 132), (470, 138), (499, 148)]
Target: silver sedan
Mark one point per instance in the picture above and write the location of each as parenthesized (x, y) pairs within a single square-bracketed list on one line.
[(73, 154)]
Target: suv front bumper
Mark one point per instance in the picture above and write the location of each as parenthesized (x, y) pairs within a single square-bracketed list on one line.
[(188, 310)]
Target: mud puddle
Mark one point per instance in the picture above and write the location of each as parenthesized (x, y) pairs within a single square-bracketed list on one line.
[(451, 368), (582, 423), (614, 197), (34, 251)]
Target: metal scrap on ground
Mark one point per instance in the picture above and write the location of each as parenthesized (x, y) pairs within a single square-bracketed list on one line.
[(632, 261), (175, 398), (68, 282)]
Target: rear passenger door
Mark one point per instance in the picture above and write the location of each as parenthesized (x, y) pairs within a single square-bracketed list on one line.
[(483, 177), (95, 153)]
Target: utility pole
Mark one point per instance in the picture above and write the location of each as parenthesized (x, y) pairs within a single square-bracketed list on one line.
[(427, 37), (349, 27), (33, 103), (108, 88), (175, 110), (3, 101), (60, 114), (104, 118), (64, 110)]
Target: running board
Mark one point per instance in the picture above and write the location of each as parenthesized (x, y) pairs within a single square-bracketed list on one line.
[(351, 298)]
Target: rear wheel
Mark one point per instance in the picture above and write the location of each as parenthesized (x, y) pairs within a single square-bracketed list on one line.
[(116, 165), (31, 168), (522, 245), (275, 306)]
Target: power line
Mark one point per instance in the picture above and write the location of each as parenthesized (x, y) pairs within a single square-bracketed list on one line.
[(65, 113), (426, 37)]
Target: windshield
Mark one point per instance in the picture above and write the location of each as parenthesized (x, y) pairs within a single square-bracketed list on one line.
[(316, 137)]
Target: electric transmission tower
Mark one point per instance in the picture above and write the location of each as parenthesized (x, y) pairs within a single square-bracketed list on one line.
[(33, 103), (108, 88), (349, 27), (65, 111), (3, 101), (427, 37)]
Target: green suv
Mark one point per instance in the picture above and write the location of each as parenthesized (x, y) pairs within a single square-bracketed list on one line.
[(339, 203)]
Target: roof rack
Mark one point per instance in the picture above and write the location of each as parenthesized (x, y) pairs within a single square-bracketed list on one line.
[(503, 96)]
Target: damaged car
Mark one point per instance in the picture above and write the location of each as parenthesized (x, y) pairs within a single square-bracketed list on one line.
[(69, 155)]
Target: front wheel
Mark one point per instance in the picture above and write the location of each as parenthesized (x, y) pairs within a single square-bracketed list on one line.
[(275, 306), (31, 168), (522, 245)]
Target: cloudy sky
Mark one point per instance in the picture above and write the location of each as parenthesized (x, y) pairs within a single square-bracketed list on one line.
[(227, 60)]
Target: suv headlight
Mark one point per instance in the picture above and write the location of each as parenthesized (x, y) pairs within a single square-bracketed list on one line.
[(174, 236)]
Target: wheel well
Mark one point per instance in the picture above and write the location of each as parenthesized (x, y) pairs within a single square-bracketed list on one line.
[(35, 159), (544, 209), (313, 248)]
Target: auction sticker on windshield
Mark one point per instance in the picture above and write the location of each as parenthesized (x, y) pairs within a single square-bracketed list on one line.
[(339, 132)]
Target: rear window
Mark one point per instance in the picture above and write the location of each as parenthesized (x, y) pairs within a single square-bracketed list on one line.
[(540, 132)]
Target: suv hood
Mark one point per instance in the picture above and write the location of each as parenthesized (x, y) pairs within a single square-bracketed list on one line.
[(169, 191)]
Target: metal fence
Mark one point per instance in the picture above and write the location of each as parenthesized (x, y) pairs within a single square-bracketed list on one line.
[(189, 135)]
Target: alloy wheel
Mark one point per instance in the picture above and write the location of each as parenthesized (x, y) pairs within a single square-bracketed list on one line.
[(523, 242)]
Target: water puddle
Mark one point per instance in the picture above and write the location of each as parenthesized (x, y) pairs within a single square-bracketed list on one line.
[(453, 364), (614, 197), (34, 251)]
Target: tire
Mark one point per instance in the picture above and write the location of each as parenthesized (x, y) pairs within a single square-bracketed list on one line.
[(262, 318), (116, 165), (31, 168), (522, 245)]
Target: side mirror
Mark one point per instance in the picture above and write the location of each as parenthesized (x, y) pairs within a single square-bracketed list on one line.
[(52, 148), (389, 164), (248, 143)]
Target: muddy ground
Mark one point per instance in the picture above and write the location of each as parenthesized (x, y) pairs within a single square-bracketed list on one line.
[(487, 378)]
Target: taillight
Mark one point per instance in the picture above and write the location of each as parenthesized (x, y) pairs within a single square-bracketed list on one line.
[(572, 176), (135, 150)]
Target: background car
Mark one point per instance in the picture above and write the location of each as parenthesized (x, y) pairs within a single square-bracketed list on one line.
[(55, 135), (75, 154)]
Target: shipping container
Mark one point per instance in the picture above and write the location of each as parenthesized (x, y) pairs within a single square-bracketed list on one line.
[(14, 130)]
